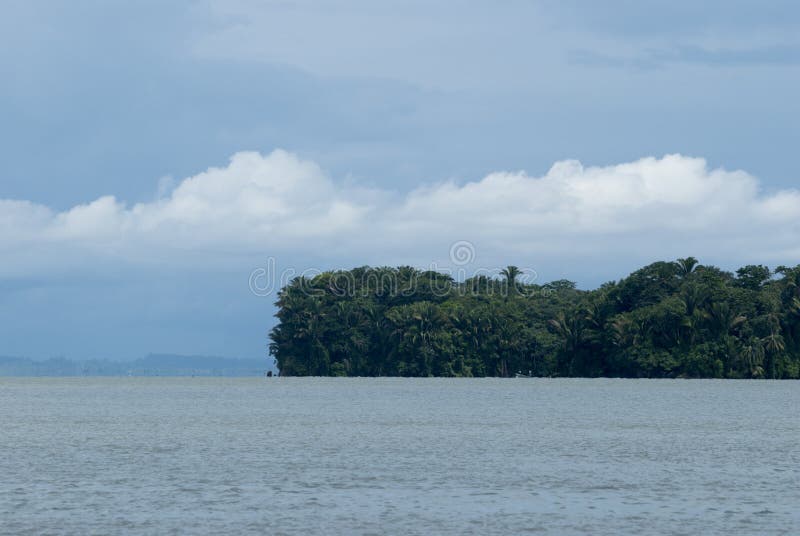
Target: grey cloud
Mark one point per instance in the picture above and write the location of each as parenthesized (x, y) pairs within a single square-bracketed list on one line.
[(649, 58)]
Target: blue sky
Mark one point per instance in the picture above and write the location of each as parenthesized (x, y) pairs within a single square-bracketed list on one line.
[(401, 123)]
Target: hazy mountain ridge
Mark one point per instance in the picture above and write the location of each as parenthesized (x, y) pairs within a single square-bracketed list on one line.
[(150, 365)]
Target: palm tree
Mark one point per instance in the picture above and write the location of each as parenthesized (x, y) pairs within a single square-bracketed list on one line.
[(596, 324), (752, 357), (692, 325), (417, 327), (310, 333), (379, 331), (773, 343), (686, 266), (570, 329), (511, 273), (694, 297), (722, 318), (622, 333)]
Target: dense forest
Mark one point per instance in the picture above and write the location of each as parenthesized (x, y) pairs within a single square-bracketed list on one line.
[(668, 319)]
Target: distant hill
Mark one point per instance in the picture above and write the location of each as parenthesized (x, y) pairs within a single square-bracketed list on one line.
[(151, 365)]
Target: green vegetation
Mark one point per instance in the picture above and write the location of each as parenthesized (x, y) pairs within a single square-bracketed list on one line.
[(668, 319)]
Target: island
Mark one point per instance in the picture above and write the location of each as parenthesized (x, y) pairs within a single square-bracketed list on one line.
[(667, 320)]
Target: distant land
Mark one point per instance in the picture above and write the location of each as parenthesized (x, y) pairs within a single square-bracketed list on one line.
[(151, 365)]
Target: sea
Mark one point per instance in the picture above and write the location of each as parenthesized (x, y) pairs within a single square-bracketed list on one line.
[(399, 456)]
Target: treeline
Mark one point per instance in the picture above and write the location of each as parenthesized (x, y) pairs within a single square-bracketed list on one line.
[(666, 320)]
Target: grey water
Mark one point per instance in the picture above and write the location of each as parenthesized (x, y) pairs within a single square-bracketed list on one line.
[(389, 456)]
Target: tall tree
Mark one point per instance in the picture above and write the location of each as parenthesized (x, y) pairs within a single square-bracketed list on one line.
[(686, 266)]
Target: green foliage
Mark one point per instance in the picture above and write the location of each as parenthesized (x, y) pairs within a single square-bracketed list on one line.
[(753, 277), (668, 319)]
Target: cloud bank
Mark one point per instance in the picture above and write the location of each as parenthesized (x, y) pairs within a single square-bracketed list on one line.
[(281, 205)]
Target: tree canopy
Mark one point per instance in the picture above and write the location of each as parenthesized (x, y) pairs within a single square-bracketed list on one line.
[(668, 319)]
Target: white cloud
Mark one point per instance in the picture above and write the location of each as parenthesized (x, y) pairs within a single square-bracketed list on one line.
[(279, 204)]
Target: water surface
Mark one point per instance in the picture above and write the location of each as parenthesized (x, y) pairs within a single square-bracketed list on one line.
[(414, 456)]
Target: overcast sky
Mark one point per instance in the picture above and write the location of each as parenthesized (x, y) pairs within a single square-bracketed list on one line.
[(157, 154)]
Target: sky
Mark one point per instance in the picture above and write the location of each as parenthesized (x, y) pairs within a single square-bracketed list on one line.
[(166, 165)]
